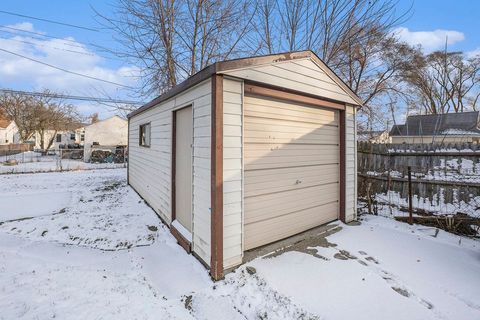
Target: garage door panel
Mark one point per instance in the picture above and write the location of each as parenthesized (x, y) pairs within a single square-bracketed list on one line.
[(259, 122), (268, 175), (320, 136), (284, 184), (291, 168), (306, 139), (281, 162), (290, 151), (270, 205), (274, 105), (300, 147), (290, 118), (256, 130), (281, 227)]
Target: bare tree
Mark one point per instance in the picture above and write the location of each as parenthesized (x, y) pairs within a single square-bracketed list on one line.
[(171, 40), (53, 117), (18, 108), (94, 117), (443, 82), (353, 37), (39, 114)]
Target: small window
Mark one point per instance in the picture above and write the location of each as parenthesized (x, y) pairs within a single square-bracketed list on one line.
[(82, 137), (59, 137), (72, 136), (144, 137)]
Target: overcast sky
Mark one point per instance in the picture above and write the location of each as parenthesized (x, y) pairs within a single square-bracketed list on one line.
[(431, 22)]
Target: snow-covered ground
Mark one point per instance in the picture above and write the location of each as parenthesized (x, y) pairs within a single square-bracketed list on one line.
[(83, 245), (30, 162)]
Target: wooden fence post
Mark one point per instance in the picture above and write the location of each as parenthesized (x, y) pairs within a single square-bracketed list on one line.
[(410, 205)]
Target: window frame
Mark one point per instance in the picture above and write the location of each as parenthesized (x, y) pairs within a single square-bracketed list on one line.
[(59, 135), (141, 130)]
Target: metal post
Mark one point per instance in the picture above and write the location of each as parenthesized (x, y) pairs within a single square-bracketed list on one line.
[(410, 205)]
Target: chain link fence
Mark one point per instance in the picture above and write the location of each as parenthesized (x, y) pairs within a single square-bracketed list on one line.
[(443, 187), (20, 161)]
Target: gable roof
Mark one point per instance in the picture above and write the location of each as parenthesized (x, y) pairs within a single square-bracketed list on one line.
[(106, 119), (439, 124), (4, 123), (228, 65)]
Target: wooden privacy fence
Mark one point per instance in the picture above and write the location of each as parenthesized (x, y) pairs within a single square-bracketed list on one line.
[(445, 178), (14, 148)]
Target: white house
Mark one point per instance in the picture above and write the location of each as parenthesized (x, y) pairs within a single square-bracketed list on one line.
[(108, 133), (8, 132), (60, 138), (374, 136), (247, 152), (80, 136)]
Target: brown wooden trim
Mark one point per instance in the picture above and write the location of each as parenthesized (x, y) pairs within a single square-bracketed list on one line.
[(173, 165), (128, 152), (182, 241), (342, 140), (290, 95), (174, 157), (140, 134), (216, 264), (187, 84)]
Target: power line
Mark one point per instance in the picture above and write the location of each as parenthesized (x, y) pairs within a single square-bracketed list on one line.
[(74, 43), (65, 70), (47, 46), (50, 21), (35, 33), (71, 97)]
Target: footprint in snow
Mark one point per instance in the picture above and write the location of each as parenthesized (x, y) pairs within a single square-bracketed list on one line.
[(372, 259), (402, 290)]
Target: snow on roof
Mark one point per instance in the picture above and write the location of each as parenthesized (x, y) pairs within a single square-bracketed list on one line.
[(454, 132)]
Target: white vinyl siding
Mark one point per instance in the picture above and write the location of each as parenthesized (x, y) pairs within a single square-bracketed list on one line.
[(300, 74), (150, 168), (232, 173), (350, 164)]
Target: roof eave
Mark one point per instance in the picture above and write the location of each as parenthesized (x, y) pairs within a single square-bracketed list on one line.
[(222, 66)]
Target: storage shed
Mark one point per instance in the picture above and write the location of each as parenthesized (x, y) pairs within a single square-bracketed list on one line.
[(247, 152)]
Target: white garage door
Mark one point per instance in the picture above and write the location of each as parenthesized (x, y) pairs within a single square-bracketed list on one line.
[(291, 168)]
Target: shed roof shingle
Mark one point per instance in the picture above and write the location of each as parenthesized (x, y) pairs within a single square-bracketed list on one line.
[(438, 124)]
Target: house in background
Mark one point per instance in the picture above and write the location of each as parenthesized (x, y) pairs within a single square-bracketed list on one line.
[(247, 152), (438, 128), (80, 136), (61, 138), (109, 133), (8, 132), (374, 136)]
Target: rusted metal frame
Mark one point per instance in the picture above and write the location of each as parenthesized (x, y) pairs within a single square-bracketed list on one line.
[(410, 196), (256, 88), (216, 263)]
